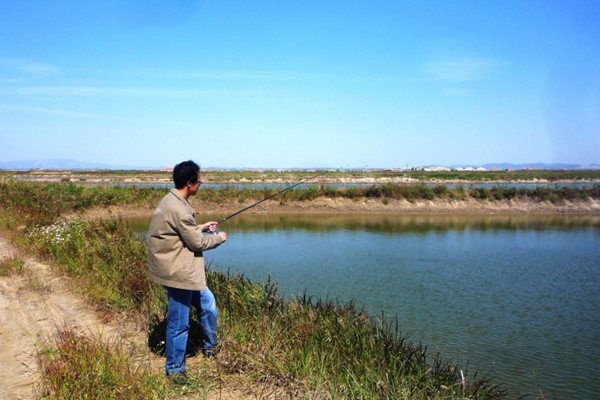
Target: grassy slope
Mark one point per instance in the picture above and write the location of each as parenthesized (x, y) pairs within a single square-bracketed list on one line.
[(306, 346)]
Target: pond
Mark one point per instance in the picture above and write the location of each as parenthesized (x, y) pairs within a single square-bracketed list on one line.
[(515, 296)]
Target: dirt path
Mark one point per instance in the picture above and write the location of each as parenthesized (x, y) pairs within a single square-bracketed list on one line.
[(33, 306)]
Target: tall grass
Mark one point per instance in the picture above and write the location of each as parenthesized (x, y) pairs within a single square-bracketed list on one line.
[(316, 346), (409, 192), (305, 345), (80, 367), (44, 203), (104, 257)]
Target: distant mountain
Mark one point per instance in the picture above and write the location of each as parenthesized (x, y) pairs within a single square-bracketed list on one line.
[(60, 164), (540, 166)]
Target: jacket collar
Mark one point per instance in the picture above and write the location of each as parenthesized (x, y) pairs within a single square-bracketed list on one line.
[(175, 192)]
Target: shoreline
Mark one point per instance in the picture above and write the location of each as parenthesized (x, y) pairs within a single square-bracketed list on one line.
[(328, 206)]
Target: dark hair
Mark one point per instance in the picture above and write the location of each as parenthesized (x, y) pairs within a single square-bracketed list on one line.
[(185, 172)]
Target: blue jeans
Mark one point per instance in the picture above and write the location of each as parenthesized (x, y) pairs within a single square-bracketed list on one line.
[(178, 324)]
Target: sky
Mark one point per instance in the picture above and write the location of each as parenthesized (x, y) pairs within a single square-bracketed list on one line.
[(280, 84)]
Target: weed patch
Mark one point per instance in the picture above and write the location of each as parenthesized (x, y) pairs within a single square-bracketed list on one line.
[(12, 266), (78, 367)]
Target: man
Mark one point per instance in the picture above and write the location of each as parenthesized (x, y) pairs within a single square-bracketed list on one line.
[(175, 245)]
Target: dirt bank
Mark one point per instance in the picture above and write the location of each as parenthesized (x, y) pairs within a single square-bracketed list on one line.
[(340, 205)]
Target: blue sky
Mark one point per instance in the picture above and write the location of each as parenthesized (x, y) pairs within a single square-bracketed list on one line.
[(300, 83)]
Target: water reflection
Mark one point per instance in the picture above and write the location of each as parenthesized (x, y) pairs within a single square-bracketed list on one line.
[(391, 223), (403, 223)]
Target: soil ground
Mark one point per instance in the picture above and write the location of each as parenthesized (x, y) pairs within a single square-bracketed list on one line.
[(33, 306), (36, 304)]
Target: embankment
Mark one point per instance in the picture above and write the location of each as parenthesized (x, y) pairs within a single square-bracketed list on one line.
[(364, 205)]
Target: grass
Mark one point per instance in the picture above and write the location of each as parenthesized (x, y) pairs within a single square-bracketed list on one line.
[(506, 175), (43, 204), (80, 367), (330, 349), (10, 266), (36, 284), (409, 192), (308, 347), (103, 257)]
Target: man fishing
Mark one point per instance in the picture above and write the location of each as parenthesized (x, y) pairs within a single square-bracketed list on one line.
[(175, 244)]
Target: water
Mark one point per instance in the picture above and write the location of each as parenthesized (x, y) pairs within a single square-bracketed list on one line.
[(514, 296)]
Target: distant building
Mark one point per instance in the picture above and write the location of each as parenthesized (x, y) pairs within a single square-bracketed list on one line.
[(436, 169)]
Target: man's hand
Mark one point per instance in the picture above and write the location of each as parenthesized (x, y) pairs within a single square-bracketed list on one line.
[(209, 226)]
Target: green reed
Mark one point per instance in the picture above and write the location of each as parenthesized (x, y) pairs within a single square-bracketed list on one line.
[(409, 192), (44, 203), (318, 347)]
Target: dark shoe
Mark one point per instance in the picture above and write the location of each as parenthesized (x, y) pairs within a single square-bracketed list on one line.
[(209, 353), (179, 379), (212, 352)]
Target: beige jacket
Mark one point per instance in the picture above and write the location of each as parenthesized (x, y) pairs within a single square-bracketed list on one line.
[(175, 244)]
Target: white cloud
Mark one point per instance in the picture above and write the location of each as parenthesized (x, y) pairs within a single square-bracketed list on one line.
[(50, 111), (462, 70), (235, 75), (77, 91), (27, 67), (258, 96), (258, 76)]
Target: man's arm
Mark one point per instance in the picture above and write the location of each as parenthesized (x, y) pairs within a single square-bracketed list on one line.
[(194, 239)]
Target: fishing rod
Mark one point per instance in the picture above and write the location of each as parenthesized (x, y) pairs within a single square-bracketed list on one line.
[(268, 198)]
